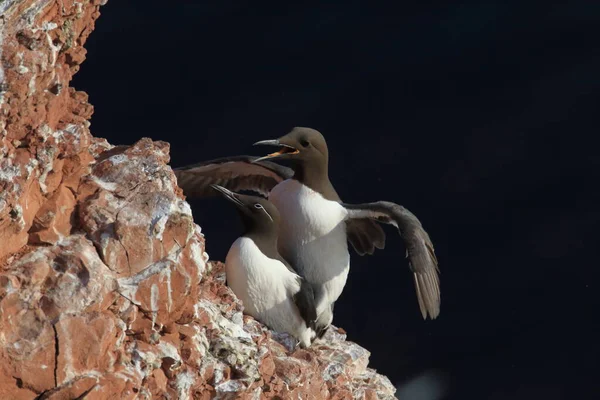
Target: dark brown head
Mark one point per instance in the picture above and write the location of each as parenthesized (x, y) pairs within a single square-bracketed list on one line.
[(301, 146), (259, 215), (307, 150)]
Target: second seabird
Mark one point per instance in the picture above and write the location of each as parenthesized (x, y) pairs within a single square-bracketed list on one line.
[(267, 285)]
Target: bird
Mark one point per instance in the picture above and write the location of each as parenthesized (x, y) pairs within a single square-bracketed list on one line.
[(269, 288), (316, 225)]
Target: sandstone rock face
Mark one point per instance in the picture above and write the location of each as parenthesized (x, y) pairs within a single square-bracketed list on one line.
[(106, 291)]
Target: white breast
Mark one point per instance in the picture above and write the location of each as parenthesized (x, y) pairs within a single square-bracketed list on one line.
[(313, 236), (265, 287)]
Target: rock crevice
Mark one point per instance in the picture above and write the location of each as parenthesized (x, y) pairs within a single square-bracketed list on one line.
[(106, 290)]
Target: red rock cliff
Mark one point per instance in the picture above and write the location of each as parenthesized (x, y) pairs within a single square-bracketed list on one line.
[(106, 291)]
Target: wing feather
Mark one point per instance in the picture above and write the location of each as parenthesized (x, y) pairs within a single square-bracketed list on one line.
[(365, 235), (234, 173), (305, 301), (421, 255)]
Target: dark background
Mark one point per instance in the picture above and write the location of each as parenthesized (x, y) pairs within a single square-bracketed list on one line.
[(478, 117)]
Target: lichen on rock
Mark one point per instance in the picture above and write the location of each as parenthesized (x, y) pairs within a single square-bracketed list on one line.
[(106, 290)]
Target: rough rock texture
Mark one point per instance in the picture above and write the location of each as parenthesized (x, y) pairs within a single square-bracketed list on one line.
[(105, 287)]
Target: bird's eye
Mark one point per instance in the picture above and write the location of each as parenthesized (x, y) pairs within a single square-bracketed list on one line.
[(304, 142), (257, 205)]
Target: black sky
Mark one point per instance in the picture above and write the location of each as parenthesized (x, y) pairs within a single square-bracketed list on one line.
[(480, 117)]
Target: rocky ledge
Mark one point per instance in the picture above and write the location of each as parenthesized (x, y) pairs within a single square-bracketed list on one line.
[(106, 290)]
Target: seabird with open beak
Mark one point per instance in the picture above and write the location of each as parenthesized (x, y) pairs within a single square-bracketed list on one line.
[(270, 289), (315, 224)]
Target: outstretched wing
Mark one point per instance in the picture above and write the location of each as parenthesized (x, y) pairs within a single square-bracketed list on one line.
[(234, 173), (419, 249)]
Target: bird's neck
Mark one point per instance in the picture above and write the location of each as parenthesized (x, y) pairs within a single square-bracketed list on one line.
[(265, 240), (316, 177)]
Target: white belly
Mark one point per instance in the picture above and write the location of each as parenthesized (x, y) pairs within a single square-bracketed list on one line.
[(265, 287), (313, 236)]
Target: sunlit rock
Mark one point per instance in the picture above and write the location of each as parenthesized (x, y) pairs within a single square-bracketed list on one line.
[(106, 291)]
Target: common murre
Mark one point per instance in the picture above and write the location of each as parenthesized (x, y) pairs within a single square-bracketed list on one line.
[(315, 223), (269, 288)]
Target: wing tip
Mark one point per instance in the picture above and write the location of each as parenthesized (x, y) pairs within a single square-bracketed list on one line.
[(428, 294)]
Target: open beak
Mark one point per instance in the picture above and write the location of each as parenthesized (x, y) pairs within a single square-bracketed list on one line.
[(229, 195), (283, 151)]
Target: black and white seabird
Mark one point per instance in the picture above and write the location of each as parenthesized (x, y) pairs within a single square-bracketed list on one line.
[(315, 224), (270, 289)]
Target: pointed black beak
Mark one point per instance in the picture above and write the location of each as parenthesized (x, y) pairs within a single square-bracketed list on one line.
[(284, 151), (229, 195), (274, 142)]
